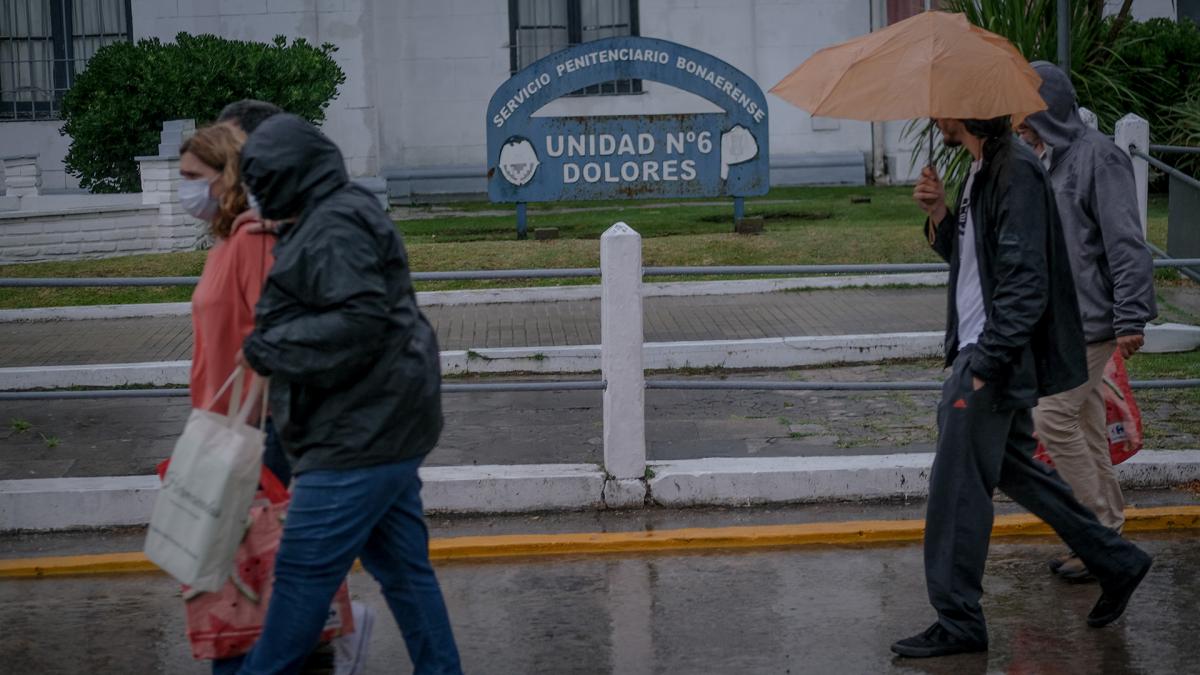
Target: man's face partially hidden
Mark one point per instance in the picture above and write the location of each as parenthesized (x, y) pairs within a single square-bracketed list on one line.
[(952, 131), (1028, 135)]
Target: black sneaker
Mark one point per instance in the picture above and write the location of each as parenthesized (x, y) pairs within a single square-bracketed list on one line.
[(1113, 600), (936, 641)]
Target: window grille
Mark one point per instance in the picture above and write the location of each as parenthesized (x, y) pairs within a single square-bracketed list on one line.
[(538, 28), (44, 44), (899, 10)]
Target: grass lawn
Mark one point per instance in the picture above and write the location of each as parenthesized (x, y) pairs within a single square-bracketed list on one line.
[(1177, 410), (803, 226)]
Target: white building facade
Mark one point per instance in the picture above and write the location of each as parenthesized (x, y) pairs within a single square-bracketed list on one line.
[(420, 72)]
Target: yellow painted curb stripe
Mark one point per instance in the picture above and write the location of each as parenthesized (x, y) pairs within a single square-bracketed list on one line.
[(686, 539)]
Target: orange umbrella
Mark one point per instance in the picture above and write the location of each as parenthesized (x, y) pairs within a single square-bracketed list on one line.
[(935, 64)]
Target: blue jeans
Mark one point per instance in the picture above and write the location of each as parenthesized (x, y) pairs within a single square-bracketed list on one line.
[(336, 516)]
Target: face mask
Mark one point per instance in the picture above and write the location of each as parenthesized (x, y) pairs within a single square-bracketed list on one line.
[(196, 200), (253, 203)]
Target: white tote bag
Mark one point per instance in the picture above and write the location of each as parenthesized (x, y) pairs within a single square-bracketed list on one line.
[(200, 512)]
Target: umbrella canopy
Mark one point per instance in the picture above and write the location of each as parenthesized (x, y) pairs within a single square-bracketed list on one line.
[(935, 64)]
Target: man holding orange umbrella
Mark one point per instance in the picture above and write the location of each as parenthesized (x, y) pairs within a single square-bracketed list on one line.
[(1013, 335), (1013, 330)]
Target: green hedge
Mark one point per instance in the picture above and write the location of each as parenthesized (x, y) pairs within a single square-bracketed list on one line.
[(1161, 58), (116, 107)]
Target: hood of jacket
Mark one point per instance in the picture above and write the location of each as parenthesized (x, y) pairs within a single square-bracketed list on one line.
[(1059, 124), (289, 165)]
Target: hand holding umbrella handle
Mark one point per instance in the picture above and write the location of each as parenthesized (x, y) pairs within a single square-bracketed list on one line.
[(930, 194)]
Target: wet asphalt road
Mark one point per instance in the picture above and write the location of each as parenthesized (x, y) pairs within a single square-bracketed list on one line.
[(791, 611)]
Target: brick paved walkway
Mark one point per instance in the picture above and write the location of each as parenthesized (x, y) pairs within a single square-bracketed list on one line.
[(718, 317)]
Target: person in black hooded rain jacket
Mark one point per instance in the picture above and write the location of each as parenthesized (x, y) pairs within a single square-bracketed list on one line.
[(1013, 333), (356, 393)]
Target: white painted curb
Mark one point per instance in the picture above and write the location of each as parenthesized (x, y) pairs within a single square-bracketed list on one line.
[(115, 501), (780, 480), (775, 480), (1167, 338), (75, 503), (517, 295), (507, 489), (85, 312), (155, 373), (765, 353)]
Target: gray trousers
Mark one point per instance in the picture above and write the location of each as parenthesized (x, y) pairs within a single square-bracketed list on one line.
[(981, 448)]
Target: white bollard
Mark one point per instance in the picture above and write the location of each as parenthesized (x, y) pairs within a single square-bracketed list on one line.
[(1133, 131), (621, 352)]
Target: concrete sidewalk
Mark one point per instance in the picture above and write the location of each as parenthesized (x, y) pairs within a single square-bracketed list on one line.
[(854, 311), (541, 324)]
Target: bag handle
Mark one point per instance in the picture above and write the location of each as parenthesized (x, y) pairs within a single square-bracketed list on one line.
[(235, 378), (238, 412), (241, 415)]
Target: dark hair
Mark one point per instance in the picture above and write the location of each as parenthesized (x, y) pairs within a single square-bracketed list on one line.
[(997, 127), (248, 113)]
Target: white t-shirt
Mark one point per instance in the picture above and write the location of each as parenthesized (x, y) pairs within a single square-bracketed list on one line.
[(968, 295)]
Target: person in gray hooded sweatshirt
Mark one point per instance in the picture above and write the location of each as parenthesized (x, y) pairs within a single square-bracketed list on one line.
[(1114, 279)]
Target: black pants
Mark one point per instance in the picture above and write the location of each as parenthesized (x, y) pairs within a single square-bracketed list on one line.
[(980, 449)]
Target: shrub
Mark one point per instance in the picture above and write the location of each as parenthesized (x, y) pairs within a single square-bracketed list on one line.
[(116, 107), (1167, 55)]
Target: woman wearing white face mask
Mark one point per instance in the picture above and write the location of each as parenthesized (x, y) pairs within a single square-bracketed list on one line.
[(237, 266), (234, 272)]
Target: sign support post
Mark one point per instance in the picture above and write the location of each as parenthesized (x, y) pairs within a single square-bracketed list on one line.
[(522, 231)]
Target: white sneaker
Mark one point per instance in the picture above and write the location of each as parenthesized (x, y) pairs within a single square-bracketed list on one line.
[(350, 650)]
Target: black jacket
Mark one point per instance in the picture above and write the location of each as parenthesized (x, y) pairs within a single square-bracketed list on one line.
[(1032, 343), (354, 365)]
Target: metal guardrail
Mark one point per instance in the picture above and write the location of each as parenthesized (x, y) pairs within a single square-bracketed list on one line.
[(182, 392), (1175, 149), (1192, 273), (1166, 168), (794, 269), (768, 385), (579, 385), (459, 275), (564, 273)]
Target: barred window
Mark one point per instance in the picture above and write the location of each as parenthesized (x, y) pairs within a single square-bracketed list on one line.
[(538, 28), (44, 44), (899, 10)]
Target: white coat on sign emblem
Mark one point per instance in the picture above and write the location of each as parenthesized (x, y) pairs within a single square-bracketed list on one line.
[(518, 161), (737, 146)]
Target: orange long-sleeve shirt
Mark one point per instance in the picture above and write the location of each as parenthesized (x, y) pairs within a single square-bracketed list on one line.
[(223, 307)]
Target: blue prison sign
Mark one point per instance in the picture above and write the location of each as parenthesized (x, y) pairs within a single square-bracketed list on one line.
[(536, 159)]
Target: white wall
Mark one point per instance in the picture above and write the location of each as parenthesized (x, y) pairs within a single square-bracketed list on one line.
[(440, 61), (41, 139), (1144, 9), (420, 72)]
